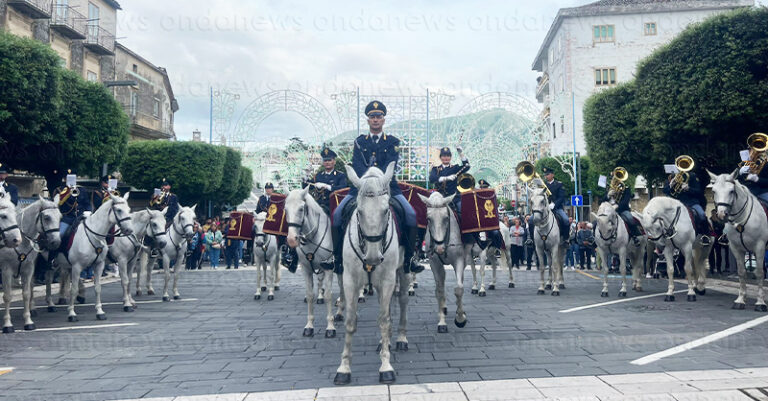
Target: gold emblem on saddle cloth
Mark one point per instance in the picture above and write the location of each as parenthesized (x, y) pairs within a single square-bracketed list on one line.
[(271, 212), (488, 206), (232, 224)]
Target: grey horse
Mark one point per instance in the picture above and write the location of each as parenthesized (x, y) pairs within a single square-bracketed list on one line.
[(612, 238), (39, 229), (444, 247), (265, 256), (546, 237), (126, 250), (372, 253), (748, 231)]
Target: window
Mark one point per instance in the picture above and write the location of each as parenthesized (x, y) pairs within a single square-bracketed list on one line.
[(605, 76), (562, 124), (93, 21), (134, 103), (92, 76), (554, 131), (156, 108), (135, 68), (603, 33), (650, 29), (551, 56)]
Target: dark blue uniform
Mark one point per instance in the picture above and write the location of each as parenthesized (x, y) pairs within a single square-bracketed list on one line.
[(557, 197), (72, 207), (98, 197), (448, 187), (335, 179), (694, 199), (262, 205), (759, 188), (369, 152), (169, 200), (11, 190)]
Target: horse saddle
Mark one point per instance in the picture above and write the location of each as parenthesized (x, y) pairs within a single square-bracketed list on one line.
[(394, 206), (635, 222), (68, 236)]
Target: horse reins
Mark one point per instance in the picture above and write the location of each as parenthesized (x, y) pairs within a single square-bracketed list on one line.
[(433, 241), (303, 238)]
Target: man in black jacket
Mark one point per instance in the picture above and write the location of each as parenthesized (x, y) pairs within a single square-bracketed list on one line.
[(557, 202), (691, 194)]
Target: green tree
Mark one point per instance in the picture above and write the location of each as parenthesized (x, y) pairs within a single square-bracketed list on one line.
[(244, 186), (230, 178)]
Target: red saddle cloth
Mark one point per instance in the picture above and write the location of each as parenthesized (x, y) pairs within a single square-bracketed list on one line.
[(479, 211), (637, 224), (275, 223), (240, 226), (410, 192)]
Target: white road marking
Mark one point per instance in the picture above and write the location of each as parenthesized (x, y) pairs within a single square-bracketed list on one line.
[(702, 341), (154, 301), (6, 370), (618, 301), (95, 326)]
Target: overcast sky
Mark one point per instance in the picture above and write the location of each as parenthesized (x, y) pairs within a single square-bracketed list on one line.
[(394, 47)]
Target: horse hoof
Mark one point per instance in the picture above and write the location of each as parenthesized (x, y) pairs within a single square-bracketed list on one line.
[(150, 292), (62, 301), (128, 309), (474, 291), (511, 285), (308, 332), (263, 288), (386, 377), (561, 286), (491, 287), (320, 301), (361, 300), (415, 285), (270, 297), (166, 299), (365, 291), (738, 306), (138, 293), (691, 298), (402, 345), (33, 313), (72, 319), (30, 327), (378, 347), (177, 297), (101, 316), (277, 288), (540, 292), (604, 294), (51, 309), (481, 294), (442, 328), (460, 324), (342, 379), (555, 293), (411, 293), (80, 300), (548, 287), (445, 311), (8, 330), (669, 298), (622, 294), (258, 297), (338, 318), (639, 289), (330, 334), (761, 308), (305, 299)]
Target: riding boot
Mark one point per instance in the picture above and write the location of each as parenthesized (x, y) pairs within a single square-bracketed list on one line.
[(338, 247), (410, 263)]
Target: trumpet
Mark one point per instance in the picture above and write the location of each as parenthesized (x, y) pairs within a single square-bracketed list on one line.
[(526, 172), (684, 164), (465, 183), (758, 144), (75, 191), (617, 185)]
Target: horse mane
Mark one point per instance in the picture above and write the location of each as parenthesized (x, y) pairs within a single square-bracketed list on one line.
[(605, 205), (371, 173), (435, 200)]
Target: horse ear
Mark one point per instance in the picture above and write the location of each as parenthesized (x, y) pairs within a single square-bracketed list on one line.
[(449, 199), (127, 195), (304, 192), (193, 207), (388, 174), (735, 174), (57, 198), (712, 176), (164, 211), (423, 198), (352, 176), (594, 216)]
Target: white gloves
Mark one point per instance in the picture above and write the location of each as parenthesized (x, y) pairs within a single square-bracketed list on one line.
[(323, 185), (442, 179), (451, 177), (744, 170), (685, 187), (86, 214), (459, 150), (752, 177), (552, 206)]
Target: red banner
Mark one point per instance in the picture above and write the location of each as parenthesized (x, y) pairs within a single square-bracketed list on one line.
[(410, 192), (337, 197), (479, 211), (275, 223), (240, 226)]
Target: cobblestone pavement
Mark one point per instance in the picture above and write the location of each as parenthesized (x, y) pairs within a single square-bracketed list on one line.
[(218, 339)]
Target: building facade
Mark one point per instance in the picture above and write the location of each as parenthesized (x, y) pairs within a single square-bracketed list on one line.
[(599, 45)]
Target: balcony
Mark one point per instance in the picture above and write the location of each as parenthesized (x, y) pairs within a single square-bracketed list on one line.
[(35, 9), (68, 22), (99, 41), (542, 88), (146, 126)]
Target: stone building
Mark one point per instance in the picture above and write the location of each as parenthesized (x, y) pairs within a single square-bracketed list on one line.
[(599, 45)]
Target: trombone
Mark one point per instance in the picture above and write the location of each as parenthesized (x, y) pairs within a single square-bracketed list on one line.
[(526, 172), (684, 164)]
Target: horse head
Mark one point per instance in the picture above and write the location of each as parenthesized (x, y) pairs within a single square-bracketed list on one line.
[(724, 191), (373, 213), (539, 206), (295, 213), (186, 220), (438, 220), (120, 213), (607, 218), (156, 227), (47, 223), (259, 238), (10, 232)]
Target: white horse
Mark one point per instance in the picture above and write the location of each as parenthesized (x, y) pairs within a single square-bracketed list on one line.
[(546, 237), (485, 256), (175, 249), (89, 248), (748, 231), (372, 254), (309, 232), (667, 223), (39, 227), (444, 247), (612, 238), (126, 250), (265, 256)]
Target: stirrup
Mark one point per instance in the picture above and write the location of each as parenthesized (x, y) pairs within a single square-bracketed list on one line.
[(706, 240), (414, 266), (154, 253)]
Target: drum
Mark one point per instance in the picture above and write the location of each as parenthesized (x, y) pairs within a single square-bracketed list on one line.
[(479, 211), (275, 222)]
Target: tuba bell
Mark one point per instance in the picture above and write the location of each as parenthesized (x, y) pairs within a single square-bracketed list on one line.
[(684, 164), (758, 144), (75, 191), (465, 183), (526, 172), (617, 186)]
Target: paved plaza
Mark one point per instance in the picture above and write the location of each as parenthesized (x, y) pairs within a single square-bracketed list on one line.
[(219, 340)]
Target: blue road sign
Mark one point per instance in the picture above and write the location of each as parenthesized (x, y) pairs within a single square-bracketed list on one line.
[(577, 200)]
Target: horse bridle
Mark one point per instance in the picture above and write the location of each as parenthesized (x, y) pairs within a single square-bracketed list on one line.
[(183, 233), (669, 232), (446, 237), (4, 230), (43, 234), (615, 233), (739, 226), (304, 238), (551, 226), (362, 238)]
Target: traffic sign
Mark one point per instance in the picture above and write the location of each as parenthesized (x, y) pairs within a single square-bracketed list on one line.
[(577, 200)]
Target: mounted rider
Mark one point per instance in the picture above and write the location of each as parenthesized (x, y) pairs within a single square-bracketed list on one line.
[(9, 188), (753, 173), (377, 149), (327, 181), (557, 202), (620, 195), (288, 256), (443, 177), (106, 190), (690, 191), (74, 205), (162, 198)]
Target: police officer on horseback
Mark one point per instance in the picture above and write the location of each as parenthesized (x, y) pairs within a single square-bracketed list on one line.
[(327, 181), (686, 187), (103, 193), (557, 202), (74, 205), (443, 177), (263, 203), (9, 188), (377, 149), (164, 199)]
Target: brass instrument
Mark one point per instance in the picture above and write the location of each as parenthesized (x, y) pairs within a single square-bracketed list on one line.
[(758, 144), (617, 186), (75, 191), (684, 164), (465, 183), (114, 193), (526, 172)]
